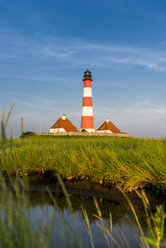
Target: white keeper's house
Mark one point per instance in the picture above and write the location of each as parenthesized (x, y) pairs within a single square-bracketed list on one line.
[(108, 127), (63, 125)]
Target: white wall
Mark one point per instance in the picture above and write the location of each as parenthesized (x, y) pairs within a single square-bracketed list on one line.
[(54, 130), (103, 131), (88, 130)]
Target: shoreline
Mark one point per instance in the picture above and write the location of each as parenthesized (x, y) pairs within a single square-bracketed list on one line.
[(43, 183)]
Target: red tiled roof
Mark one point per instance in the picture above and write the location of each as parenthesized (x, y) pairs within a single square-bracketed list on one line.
[(109, 126), (66, 124)]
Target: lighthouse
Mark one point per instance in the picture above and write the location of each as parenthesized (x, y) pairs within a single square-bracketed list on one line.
[(87, 107)]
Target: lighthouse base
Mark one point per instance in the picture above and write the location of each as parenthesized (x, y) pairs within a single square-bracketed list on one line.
[(88, 130)]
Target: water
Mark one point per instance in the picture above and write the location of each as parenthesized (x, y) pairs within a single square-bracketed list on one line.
[(124, 233)]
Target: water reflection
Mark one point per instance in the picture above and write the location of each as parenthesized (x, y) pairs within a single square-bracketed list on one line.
[(124, 229)]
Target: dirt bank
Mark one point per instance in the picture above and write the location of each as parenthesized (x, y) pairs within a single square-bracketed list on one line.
[(43, 184)]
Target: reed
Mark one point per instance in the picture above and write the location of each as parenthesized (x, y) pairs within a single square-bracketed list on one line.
[(121, 161), (16, 229), (155, 226), (130, 163), (19, 230)]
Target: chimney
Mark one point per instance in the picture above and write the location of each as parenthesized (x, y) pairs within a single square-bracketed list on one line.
[(63, 117), (107, 120)]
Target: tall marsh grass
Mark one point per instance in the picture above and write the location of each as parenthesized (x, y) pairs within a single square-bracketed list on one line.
[(126, 162), (130, 163)]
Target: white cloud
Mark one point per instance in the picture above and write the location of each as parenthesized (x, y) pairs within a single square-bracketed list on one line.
[(141, 119), (75, 51)]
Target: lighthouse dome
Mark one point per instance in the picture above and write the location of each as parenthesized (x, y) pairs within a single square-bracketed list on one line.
[(87, 75)]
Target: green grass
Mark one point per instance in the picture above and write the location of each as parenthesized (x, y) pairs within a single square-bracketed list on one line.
[(126, 162)]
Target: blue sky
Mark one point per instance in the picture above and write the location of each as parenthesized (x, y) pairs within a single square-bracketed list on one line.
[(45, 46)]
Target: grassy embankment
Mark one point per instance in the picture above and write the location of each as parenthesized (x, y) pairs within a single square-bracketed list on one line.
[(127, 162), (111, 160)]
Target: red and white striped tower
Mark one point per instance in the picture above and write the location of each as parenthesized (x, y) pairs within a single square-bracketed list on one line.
[(87, 107)]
